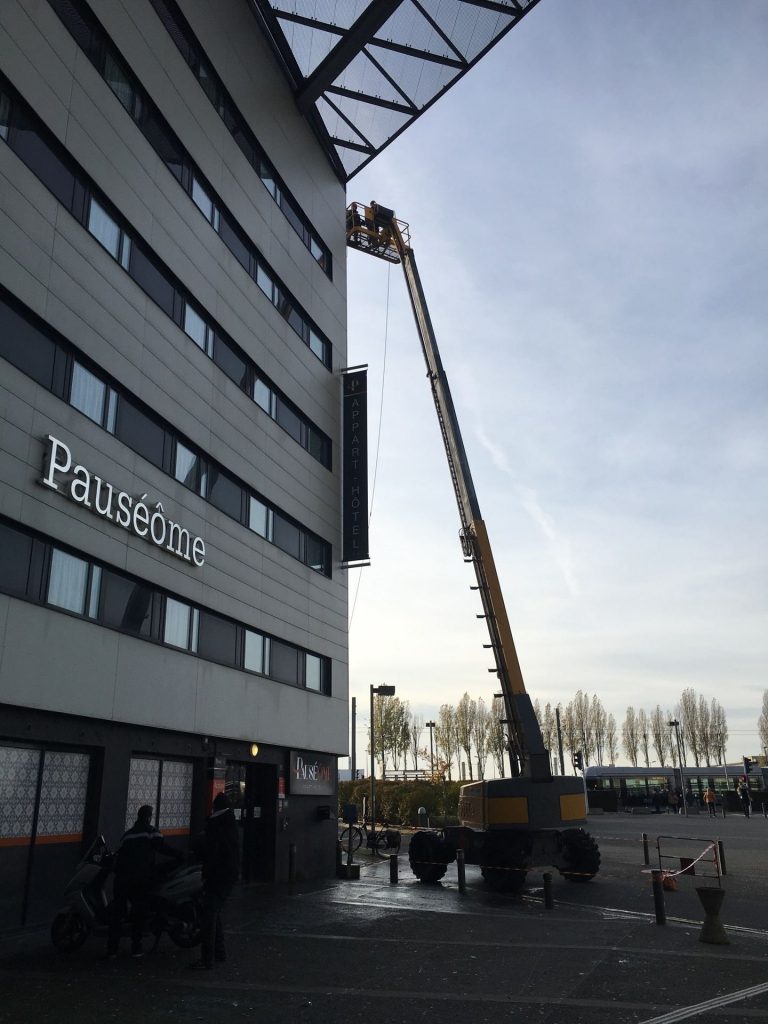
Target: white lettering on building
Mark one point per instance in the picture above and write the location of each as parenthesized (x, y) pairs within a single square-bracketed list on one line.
[(103, 499)]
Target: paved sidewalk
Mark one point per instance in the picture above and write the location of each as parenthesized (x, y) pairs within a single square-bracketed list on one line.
[(401, 953)]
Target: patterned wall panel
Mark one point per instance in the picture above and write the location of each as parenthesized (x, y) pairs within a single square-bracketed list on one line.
[(18, 785), (63, 793), (176, 795), (142, 786)]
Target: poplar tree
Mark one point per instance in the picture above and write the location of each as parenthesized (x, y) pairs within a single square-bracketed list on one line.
[(629, 736), (466, 712)]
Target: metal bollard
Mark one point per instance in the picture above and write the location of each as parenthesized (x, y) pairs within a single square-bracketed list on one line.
[(658, 897), (393, 868), (646, 858), (549, 901), (721, 855), (292, 862), (460, 869)]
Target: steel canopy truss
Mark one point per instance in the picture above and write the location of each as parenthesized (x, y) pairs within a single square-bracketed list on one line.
[(363, 70)]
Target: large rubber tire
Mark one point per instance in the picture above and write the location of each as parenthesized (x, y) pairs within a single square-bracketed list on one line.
[(186, 932), (582, 856), (357, 839), (427, 858), (69, 930)]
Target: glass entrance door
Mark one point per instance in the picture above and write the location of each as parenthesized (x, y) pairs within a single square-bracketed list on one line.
[(252, 792)]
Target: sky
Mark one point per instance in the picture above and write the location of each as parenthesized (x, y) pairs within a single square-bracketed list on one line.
[(588, 212)]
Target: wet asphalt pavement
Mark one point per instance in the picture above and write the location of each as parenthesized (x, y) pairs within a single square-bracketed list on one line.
[(360, 950)]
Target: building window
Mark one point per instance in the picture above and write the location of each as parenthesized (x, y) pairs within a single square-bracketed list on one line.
[(260, 518), (264, 397), (15, 555), (181, 625), (265, 282), (256, 653), (122, 86), (189, 469), (5, 115), (68, 583), (93, 397), (205, 204), (284, 663), (218, 639), (126, 604), (198, 330), (108, 233), (313, 673)]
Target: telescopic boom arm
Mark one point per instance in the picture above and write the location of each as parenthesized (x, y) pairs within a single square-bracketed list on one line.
[(375, 230)]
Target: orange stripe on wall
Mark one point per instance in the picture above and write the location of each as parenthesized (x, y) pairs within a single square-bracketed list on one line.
[(175, 831), (74, 837)]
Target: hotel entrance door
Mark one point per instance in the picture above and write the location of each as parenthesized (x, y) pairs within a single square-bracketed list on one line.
[(252, 792)]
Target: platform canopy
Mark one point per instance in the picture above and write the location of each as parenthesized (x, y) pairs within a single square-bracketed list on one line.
[(363, 70)]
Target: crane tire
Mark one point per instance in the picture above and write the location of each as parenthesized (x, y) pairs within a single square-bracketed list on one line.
[(581, 854), (427, 858)]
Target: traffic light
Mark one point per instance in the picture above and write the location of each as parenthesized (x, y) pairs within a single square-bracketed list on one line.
[(747, 765), (578, 760)]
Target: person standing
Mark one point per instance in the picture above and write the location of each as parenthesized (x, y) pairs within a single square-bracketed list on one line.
[(709, 800), (134, 876), (746, 798), (221, 856)]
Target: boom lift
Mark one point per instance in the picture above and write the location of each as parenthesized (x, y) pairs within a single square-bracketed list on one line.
[(506, 825)]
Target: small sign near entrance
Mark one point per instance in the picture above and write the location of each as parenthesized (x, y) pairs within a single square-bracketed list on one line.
[(312, 774)]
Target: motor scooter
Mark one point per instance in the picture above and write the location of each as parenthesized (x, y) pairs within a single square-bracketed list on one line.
[(174, 902)]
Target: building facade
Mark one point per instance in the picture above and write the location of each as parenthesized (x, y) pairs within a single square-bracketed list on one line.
[(173, 617)]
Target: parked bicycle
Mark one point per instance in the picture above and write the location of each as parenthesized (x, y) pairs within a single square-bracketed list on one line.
[(384, 841)]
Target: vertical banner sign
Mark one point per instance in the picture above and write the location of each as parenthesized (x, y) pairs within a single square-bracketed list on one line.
[(354, 446)]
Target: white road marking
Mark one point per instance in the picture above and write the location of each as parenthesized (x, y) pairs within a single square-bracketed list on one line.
[(710, 1004)]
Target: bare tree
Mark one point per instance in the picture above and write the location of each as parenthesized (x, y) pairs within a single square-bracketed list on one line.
[(704, 729), (549, 731), (445, 732), (643, 736), (674, 754), (569, 730), (599, 727), (466, 712), (630, 737), (496, 740), (611, 739), (480, 731), (762, 722), (583, 722), (659, 726), (689, 724), (719, 730), (415, 729)]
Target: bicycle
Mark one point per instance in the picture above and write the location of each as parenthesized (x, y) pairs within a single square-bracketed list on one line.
[(383, 842)]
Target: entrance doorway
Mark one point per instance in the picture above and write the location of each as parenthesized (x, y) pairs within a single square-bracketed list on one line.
[(252, 792)]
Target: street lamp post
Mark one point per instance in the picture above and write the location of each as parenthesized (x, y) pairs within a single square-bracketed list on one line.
[(382, 691), (675, 724), (431, 726)]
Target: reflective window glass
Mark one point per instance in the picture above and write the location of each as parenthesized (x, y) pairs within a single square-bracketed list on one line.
[(15, 554), (186, 469), (197, 329), (284, 663), (262, 396), (286, 536), (254, 652), (5, 115), (103, 228), (316, 553), (225, 493), (313, 674), (66, 586), (259, 518), (178, 620), (316, 344), (202, 200), (87, 393), (264, 281), (120, 84), (126, 604), (218, 638)]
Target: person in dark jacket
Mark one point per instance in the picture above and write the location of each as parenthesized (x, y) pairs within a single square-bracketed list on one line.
[(134, 876), (221, 857)]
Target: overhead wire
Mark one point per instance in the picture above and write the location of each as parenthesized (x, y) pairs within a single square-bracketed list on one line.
[(378, 438)]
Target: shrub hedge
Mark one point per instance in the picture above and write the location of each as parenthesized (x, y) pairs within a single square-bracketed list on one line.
[(399, 802)]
